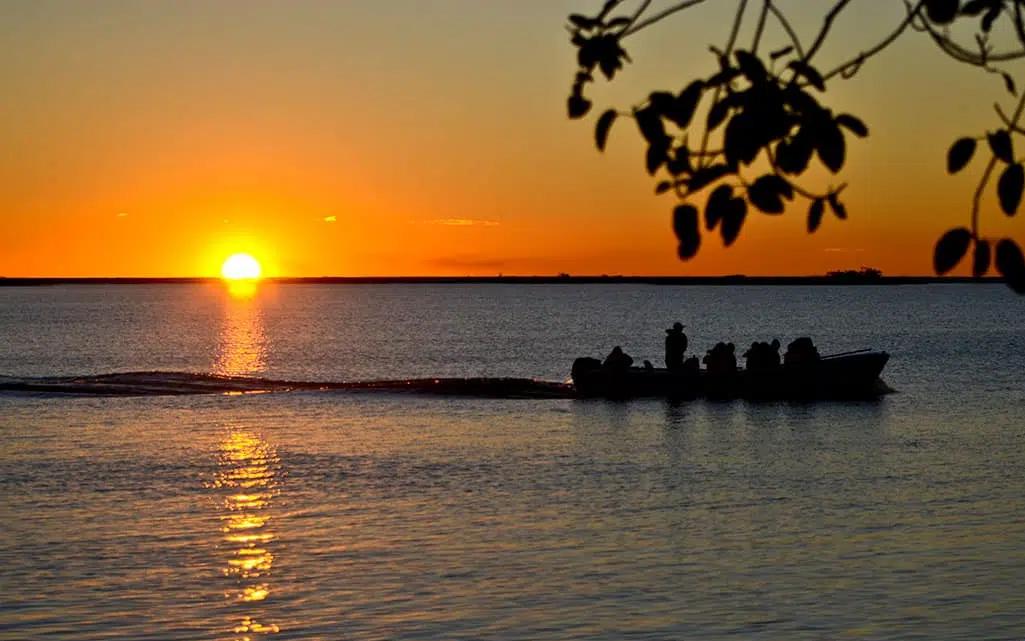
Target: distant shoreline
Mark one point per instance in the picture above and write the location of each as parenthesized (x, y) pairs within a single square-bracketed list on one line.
[(520, 280)]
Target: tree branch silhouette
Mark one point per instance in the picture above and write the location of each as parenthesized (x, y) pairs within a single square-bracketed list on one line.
[(768, 112)]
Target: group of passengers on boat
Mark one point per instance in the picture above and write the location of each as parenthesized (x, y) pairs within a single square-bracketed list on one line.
[(721, 359)]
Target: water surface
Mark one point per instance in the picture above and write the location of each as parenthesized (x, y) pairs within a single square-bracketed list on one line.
[(320, 515)]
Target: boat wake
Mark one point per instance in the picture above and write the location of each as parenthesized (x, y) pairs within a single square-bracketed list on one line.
[(180, 383)]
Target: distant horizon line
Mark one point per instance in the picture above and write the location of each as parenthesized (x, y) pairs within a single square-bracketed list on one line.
[(731, 279)]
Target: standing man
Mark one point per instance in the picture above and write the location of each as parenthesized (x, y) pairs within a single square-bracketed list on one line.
[(676, 346)]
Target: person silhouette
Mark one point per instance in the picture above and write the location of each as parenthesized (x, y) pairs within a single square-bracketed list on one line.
[(676, 346), (618, 360)]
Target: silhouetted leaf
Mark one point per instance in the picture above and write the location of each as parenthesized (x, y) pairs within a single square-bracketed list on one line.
[(801, 101), (717, 205), (724, 76), (601, 129), (838, 207), (732, 220), (1000, 143), (950, 249), (578, 106), (830, 145), (767, 193), (650, 124), (685, 226), (717, 114), (815, 215), (662, 187), (656, 156), (793, 156), (941, 11), (662, 101), (781, 185), (679, 162), (740, 141), (587, 51), (582, 22), (1011, 264), (766, 106), (991, 16), (975, 7), (686, 104), (779, 53), (610, 55), (1009, 83), (750, 66), (809, 72), (579, 78), (960, 154), (852, 124), (1009, 188), (980, 258)]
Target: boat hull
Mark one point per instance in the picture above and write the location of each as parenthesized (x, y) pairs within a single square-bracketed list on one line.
[(850, 376)]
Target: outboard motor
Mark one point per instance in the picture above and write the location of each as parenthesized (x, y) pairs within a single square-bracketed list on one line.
[(584, 364)]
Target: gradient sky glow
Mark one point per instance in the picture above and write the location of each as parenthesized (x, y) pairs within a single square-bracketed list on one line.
[(155, 138)]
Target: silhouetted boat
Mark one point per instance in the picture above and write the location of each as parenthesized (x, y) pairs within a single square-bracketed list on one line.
[(850, 375)]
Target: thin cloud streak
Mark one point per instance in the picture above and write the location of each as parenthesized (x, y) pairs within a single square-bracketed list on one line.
[(463, 222)]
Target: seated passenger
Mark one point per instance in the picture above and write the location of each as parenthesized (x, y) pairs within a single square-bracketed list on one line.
[(762, 356), (801, 351), (618, 360), (692, 365), (721, 359)]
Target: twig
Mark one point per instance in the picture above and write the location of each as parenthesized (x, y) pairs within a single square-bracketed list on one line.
[(659, 16), (977, 197), (729, 47), (637, 14), (1018, 26), (761, 25), (827, 24), (958, 52), (886, 42), (788, 28), (1007, 121)]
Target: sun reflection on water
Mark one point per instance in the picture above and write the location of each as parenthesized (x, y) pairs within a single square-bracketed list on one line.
[(249, 475), (242, 343)]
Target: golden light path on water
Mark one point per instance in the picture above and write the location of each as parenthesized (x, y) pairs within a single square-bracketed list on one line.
[(248, 472), (249, 475), (242, 342)]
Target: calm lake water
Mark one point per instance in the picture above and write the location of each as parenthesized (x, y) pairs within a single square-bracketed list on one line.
[(341, 515)]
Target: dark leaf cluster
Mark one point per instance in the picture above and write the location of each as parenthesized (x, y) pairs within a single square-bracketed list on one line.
[(761, 115), (765, 114), (953, 246), (989, 10), (597, 40)]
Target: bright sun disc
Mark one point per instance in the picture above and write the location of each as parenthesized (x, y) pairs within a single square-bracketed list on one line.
[(241, 267)]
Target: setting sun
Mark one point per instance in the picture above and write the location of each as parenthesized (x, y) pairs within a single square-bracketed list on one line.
[(241, 267)]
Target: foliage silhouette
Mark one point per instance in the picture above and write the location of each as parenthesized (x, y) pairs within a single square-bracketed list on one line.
[(767, 113)]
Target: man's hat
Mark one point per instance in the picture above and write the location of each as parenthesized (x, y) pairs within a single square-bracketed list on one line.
[(677, 327)]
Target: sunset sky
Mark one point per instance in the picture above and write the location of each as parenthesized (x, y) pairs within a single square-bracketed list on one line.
[(155, 138)]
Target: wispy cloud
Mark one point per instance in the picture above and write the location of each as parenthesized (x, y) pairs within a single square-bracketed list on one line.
[(463, 222), (330, 219), (844, 250), (122, 214)]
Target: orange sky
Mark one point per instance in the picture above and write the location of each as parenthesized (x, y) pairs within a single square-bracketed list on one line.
[(401, 138)]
